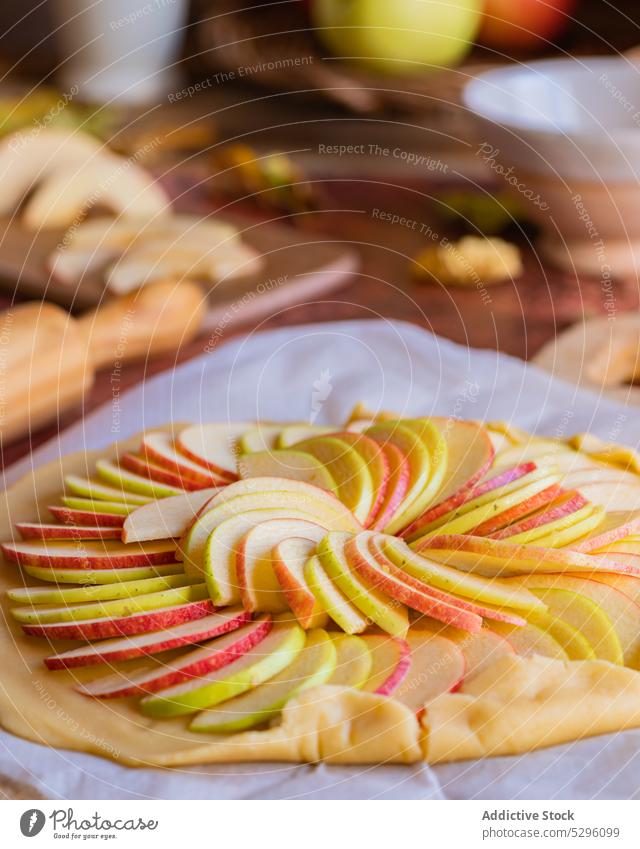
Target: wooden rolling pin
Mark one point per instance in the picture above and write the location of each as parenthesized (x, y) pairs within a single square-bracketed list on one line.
[(48, 359)]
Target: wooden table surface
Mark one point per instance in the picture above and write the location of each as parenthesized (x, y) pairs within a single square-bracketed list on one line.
[(517, 318)]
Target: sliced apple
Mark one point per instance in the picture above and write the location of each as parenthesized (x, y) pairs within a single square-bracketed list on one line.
[(492, 558), (69, 516), (100, 577), (414, 595), (288, 559), (312, 667), (214, 655), (213, 445), (378, 607), (89, 554), (612, 495), (349, 471), (127, 481), (467, 499), (621, 610), (153, 642), (543, 452), (494, 591), (572, 641), (112, 608), (220, 562), (345, 614), (353, 661), (142, 467), (159, 448), (614, 528), (100, 592), (391, 661), (397, 485), (264, 437), (260, 589), (291, 464), (98, 508), (292, 434), (96, 491), (32, 530), (272, 654), (270, 493), (437, 667), (504, 518), (167, 518), (565, 510), (478, 650), (137, 623), (566, 536), (529, 640)]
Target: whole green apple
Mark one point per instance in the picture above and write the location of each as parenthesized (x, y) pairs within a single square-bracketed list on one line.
[(398, 36)]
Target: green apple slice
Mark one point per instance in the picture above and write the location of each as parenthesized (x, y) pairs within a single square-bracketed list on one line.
[(494, 591), (349, 471), (353, 661), (345, 614), (294, 465), (376, 459), (437, 446), (88, 505), (72, 595), (94, 490), (292, 434), (101, 577), (574, 643), (391, 616), (312, 667), (129, 482), (417, 454), (113, 608), (261, 438), (528, 640), (277, 650)]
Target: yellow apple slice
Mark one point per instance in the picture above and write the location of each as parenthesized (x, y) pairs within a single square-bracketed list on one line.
[(353, 661), (263, 437), (271, 655), (292, 464), (292, 434), (260, 589), (312, 667), (288, 558), (557, 516), (101, 577), (88, 506), (559, 537), (573, 642), (389, 615), (100, 592), (90, 489), (437, 667), (167, 518), (345, 614), (528, 640)]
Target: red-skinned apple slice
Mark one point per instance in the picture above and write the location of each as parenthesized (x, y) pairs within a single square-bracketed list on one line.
[(507, 517), (397, 485), (88, 505), (152, 642), (213, 445), (32, 530), (365, 563), (353, 661), (127, 482), (462, 496), (137, 623), (159, 448), (480, 650), (167, 518), (376, 545), (375, 457), (391, 658), (289, 557), (96, 592), (437, 666), (260, 589), (491, 558), (615, 527), (214, 655), (90, 554), (470, 453), (534, 525), (142, 467), (68, 516)]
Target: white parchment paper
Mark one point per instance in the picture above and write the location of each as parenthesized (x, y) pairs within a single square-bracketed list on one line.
[(317, 372)]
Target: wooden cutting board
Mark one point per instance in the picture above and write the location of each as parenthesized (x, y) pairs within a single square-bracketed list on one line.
[(298, 266), (601, 354)]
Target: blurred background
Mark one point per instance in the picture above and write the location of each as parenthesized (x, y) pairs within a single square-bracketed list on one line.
[(340, 139)]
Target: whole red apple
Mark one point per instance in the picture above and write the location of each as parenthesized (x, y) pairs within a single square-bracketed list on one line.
[(524, 24)]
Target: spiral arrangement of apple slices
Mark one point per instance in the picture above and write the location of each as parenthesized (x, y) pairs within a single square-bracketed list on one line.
[(244, 563)]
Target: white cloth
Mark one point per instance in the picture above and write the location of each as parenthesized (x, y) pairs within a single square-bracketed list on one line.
[(318, 372)]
